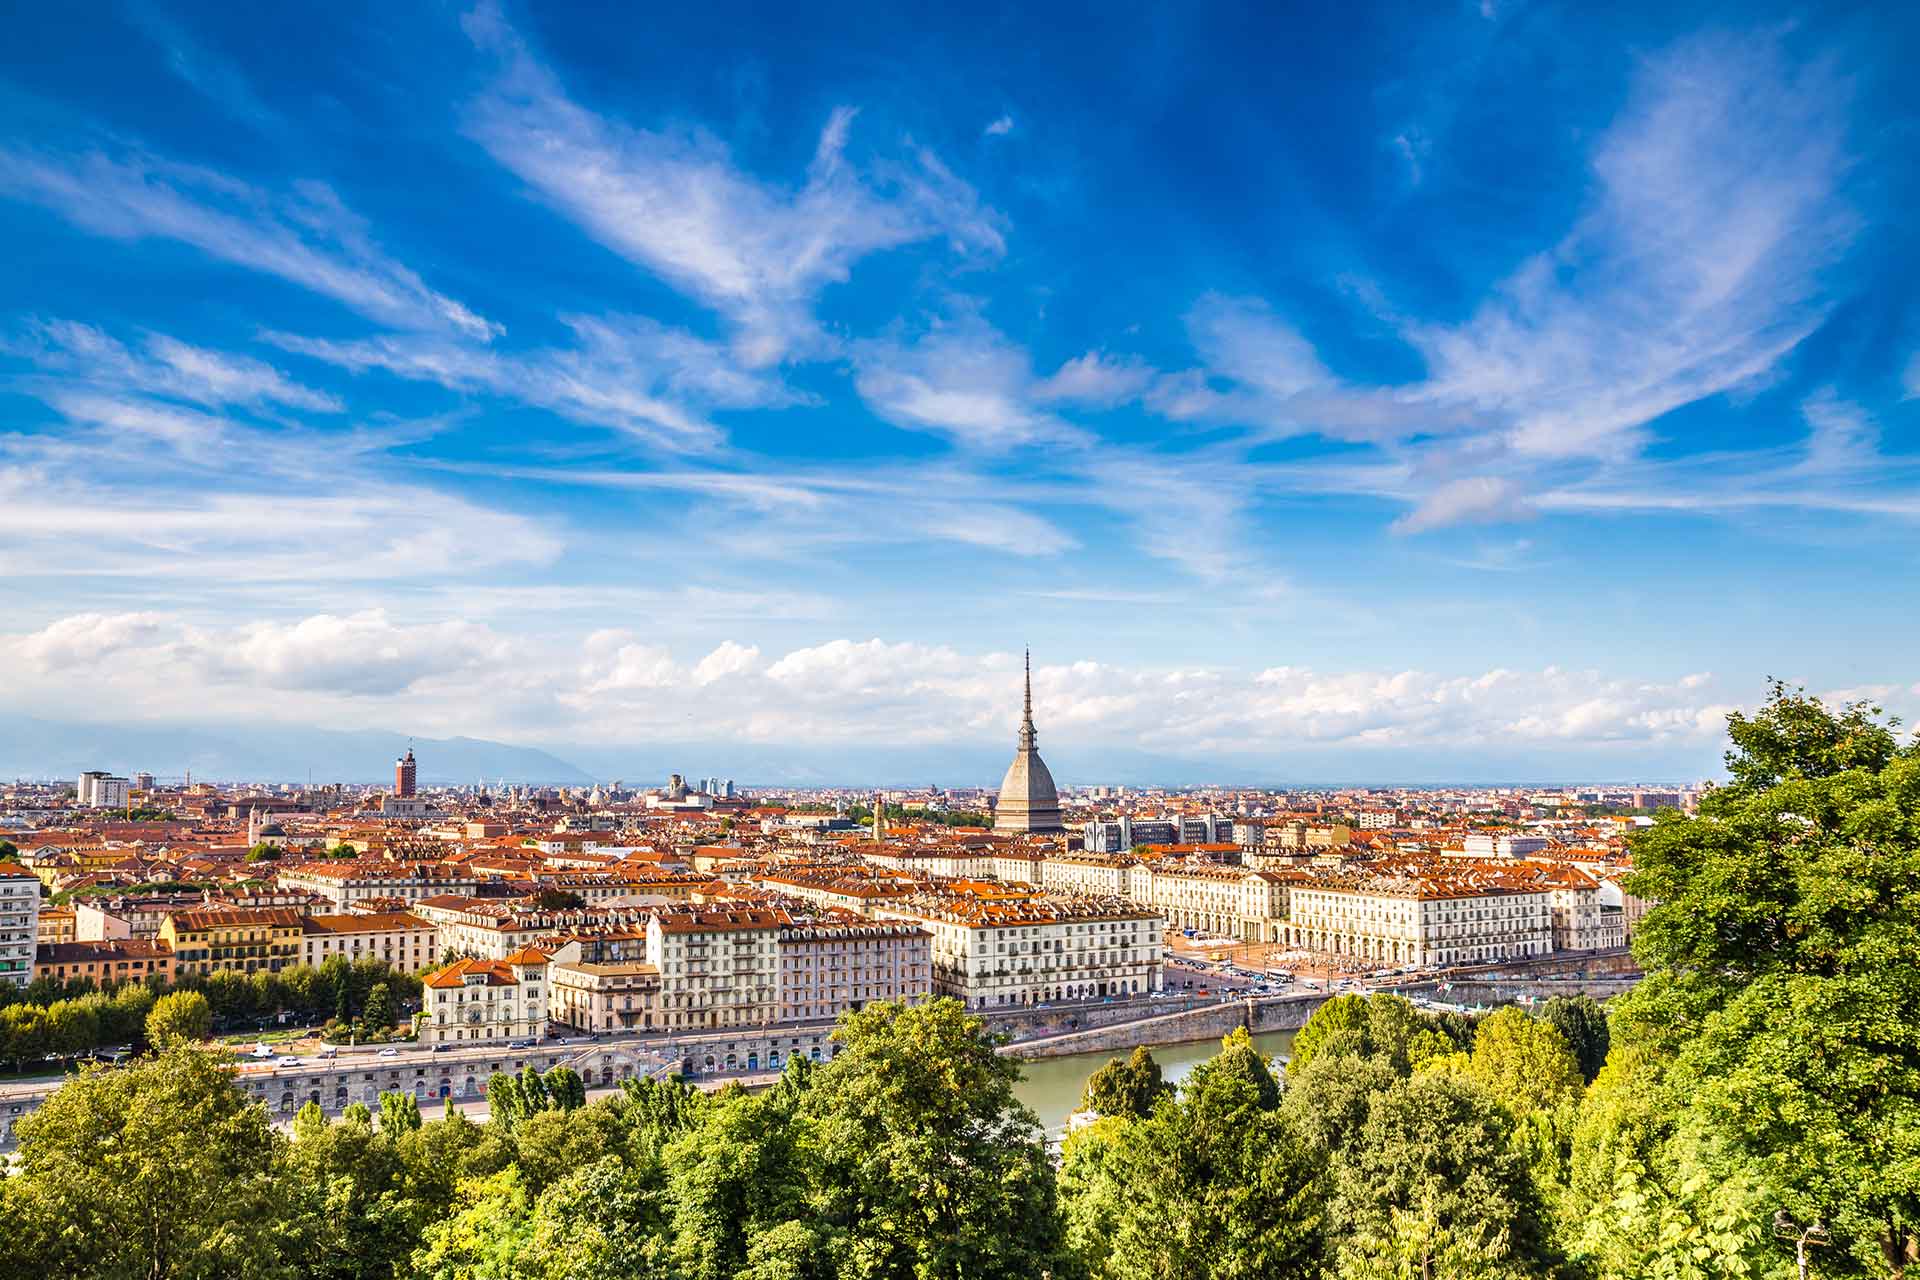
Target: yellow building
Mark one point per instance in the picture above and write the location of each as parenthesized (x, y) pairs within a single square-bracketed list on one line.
[(241, 941)]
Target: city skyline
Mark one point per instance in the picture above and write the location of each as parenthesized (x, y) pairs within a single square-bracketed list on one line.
[(1497, 387)]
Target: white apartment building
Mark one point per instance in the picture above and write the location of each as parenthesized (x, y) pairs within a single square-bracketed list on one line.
[(1422, 921), (949, 863), (832, 966), (1224, 901), (345, 883), (992, 953), (1582, 919), (497, 1000), (609, 995), (718, 967), (1484, 844), (100, 790), (19, 923), (405, 942)]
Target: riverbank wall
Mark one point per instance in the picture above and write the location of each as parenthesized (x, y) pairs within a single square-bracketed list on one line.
[(1206, 1022), (1054, 1020)]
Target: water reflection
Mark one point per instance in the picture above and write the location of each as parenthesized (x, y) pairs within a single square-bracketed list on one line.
[(1052, 1085)]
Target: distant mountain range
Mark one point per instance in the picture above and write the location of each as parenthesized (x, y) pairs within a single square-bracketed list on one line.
[(38, 748), (34, 748)]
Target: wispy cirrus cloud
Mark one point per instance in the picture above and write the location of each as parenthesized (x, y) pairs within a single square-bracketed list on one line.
[(1095, 380), (1697, 269), (961, 379), (1719, 200), (675, 202), (197, 65), (305, 236), (626, 372), (165, 367)]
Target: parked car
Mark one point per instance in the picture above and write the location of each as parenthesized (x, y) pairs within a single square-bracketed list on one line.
[(443, 1048), (389, 1053)]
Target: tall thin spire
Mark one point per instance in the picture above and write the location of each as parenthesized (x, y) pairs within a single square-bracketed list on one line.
[(1026, 712)]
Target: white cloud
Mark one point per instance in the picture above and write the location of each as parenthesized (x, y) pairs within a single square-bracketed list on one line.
[(727, 660), (84, 639), (1414, 147), (1842, 437), (961, 379), (169, 368), (1096, 380), (616, 662), (625, 372), (1695, 271), (307, 237), (355, 656), (361, 655), (675, 202), (200, 498), (1719, 200), (1470, 498), (616, 685), (999, 128), (206, 71)]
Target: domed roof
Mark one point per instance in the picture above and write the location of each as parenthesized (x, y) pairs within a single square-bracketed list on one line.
[(1027, 800)]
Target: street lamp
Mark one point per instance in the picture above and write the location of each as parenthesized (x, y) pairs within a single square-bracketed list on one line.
[(1815, 1234)]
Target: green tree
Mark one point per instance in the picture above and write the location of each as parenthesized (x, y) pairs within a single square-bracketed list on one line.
[(1583, 1022), (1217, 1183), (73, 1026), (488, 1236), (1652, 1192), (1434, 1187), (265, 851), (1381, 1025), (924, 1162), (180, 1016), (735, 1177), (379, 1013), (25, 1032), (1341, 1014), (504, 1104), (162, 1169), (602, 1221), (549, 1144), (1523, 1062), (125, 1018), (1128, 1088), (565, 1089), (1781, 967), (399, 1112)]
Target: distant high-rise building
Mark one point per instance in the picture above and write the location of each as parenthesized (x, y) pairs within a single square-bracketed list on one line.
[(405, 775), (100, 790), (1028, 801), (19, 922), (143, 782)]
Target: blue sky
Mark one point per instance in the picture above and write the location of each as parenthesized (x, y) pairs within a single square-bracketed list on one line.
[(1355, 383)]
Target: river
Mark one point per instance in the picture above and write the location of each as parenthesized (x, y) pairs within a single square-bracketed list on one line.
[(1052, 1085)]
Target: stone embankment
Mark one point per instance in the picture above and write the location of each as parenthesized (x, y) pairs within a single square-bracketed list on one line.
[(1206, 1022), (1101, 1029)]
